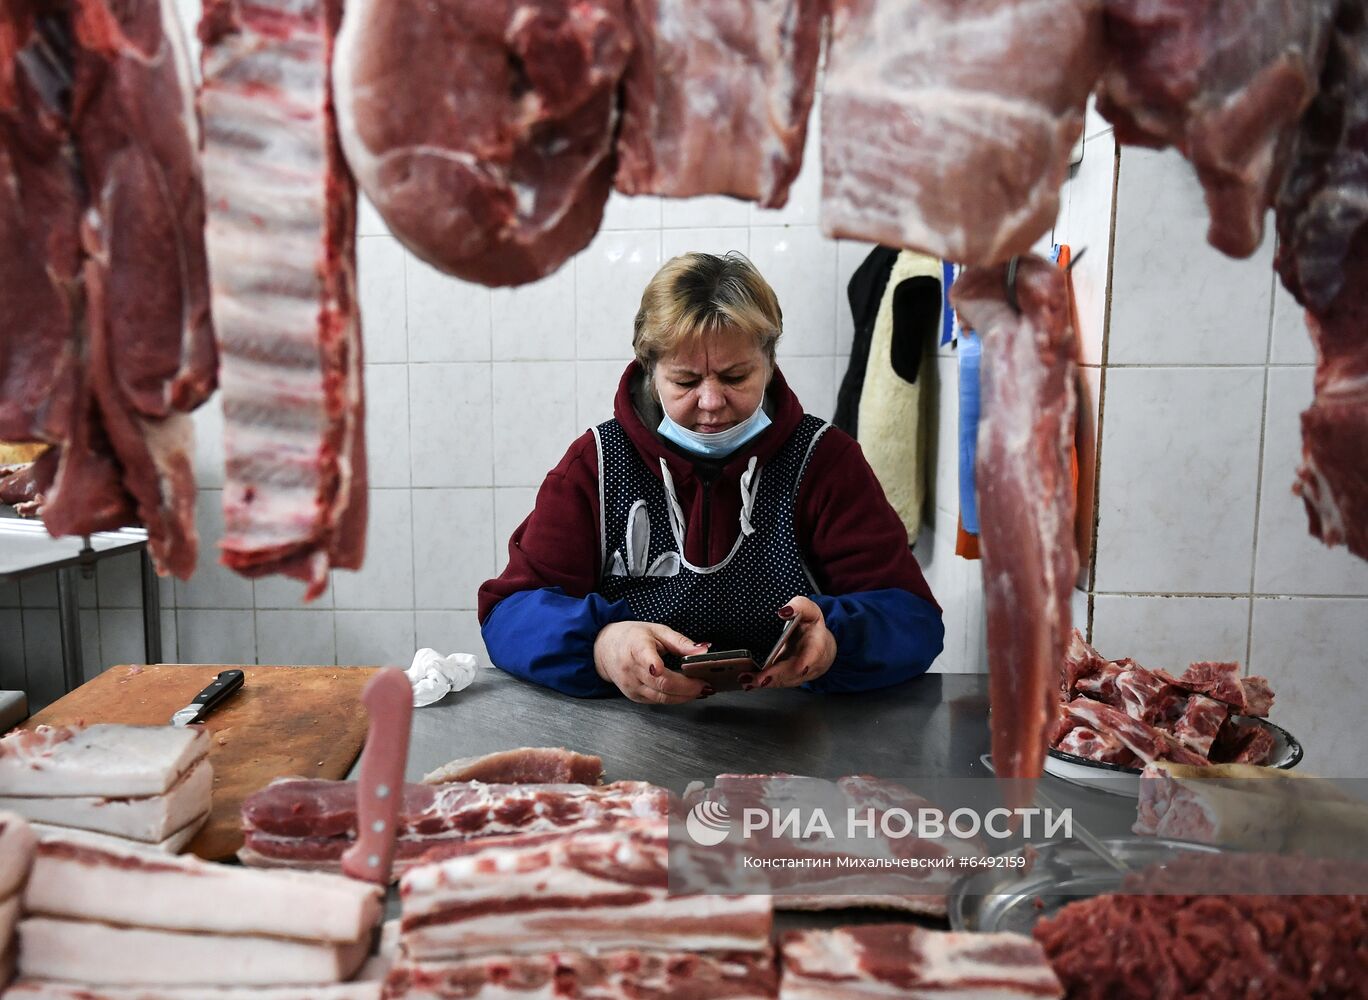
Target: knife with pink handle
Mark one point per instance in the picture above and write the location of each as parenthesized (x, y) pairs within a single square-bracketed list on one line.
[(380, 784)]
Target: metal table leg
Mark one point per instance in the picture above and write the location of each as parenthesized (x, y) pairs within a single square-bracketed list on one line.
[(69, 618), (151, 607)]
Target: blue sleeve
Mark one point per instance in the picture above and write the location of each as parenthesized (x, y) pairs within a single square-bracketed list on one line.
[(547, 637), (883, 637)]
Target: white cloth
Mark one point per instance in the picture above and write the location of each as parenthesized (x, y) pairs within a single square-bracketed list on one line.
[(434, 676)]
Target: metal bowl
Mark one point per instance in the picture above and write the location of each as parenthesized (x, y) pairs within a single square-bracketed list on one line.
[(1287, 753), (1057, 873)]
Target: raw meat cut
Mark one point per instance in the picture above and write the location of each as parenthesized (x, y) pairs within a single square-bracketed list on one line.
[(1146, 696), (17, 844), (1200, 722), (633, 974), (172, 843), (947, 126), (150, 818), (584, 890), (1080, 661), (710, 72), (838, 871), (40, 208), (74, 880), (525, 765), (1323, 260), (47, 989), (281, 236), (902, 960), (110, 761), (1222, 682), (99, 953), (1158, 947), (1101, 686), (1226, 83), (1026, 498), (1084, 742), (1145, 741), (311, 823), (100, 170), (494, 162)]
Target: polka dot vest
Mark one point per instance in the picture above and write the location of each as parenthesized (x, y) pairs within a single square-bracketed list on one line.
[(641, 528)]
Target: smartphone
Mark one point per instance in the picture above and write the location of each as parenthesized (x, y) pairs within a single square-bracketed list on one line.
[(722, 668)]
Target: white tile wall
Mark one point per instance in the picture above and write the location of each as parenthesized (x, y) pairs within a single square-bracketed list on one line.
[(1179, 477), (1085, 225), (1311, 651), (1171, 632), (1291, 341), (1175, 299)]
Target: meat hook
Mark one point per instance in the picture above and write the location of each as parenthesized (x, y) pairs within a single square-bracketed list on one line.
[(1011, 284)]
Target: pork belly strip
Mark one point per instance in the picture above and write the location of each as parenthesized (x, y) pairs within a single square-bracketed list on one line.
[(947, 126), (583, 890), (494, 162), (701, 70), (89, 952), (630, 974), (106, 760), (47, 989), (525, 765), (17, 843), (150, 818), (1026, 501), (77, 880), (903, 960), (317, 808), (1226, 83), (1323, 260), (281, 236)]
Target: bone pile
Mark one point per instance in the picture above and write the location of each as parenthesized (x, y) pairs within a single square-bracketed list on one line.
[(577, 914), (106, 917), (105, 335), (147, 785), (17, 842), (310, 824), (281, 238), (1119, 712), (887, 961)]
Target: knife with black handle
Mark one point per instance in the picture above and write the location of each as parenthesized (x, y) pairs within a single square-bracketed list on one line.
[(210, 698)]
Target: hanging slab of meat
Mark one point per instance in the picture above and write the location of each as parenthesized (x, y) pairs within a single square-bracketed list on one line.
[(947, 127), (41, 198), (887, 961), (633, 974), (129, 887), (103, 760), (150, 818), (591, 891), (99, 953), (1226, 83), (282, 224), (525, 765), (700, 72), (1026, 501), (1323, 260), (311, 823), (493, 163)]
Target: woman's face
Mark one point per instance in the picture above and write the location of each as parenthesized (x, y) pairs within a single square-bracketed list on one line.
[(714, 387)]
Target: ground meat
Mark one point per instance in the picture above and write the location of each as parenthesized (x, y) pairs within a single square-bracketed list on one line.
[(1154, 947)]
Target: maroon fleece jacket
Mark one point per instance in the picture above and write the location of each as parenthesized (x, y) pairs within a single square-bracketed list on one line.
[(851, 537)]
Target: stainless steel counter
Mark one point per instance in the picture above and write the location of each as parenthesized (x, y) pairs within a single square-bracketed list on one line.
[(934, 725)]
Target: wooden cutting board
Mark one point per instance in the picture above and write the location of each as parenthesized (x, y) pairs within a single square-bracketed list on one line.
[(307, 721)]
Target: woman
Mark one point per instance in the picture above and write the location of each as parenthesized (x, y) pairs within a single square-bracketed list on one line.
[(708, 512)]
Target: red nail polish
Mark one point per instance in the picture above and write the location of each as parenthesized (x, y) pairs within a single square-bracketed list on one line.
[(765, 682), (786, 612), (653, 670)]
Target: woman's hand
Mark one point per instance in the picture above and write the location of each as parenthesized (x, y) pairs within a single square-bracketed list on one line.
[(628, 654), (811, 652)]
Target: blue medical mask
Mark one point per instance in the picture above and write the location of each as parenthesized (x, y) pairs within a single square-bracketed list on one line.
[(719, 444)]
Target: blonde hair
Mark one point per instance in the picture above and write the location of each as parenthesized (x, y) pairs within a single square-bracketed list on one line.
[(699, 295)]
